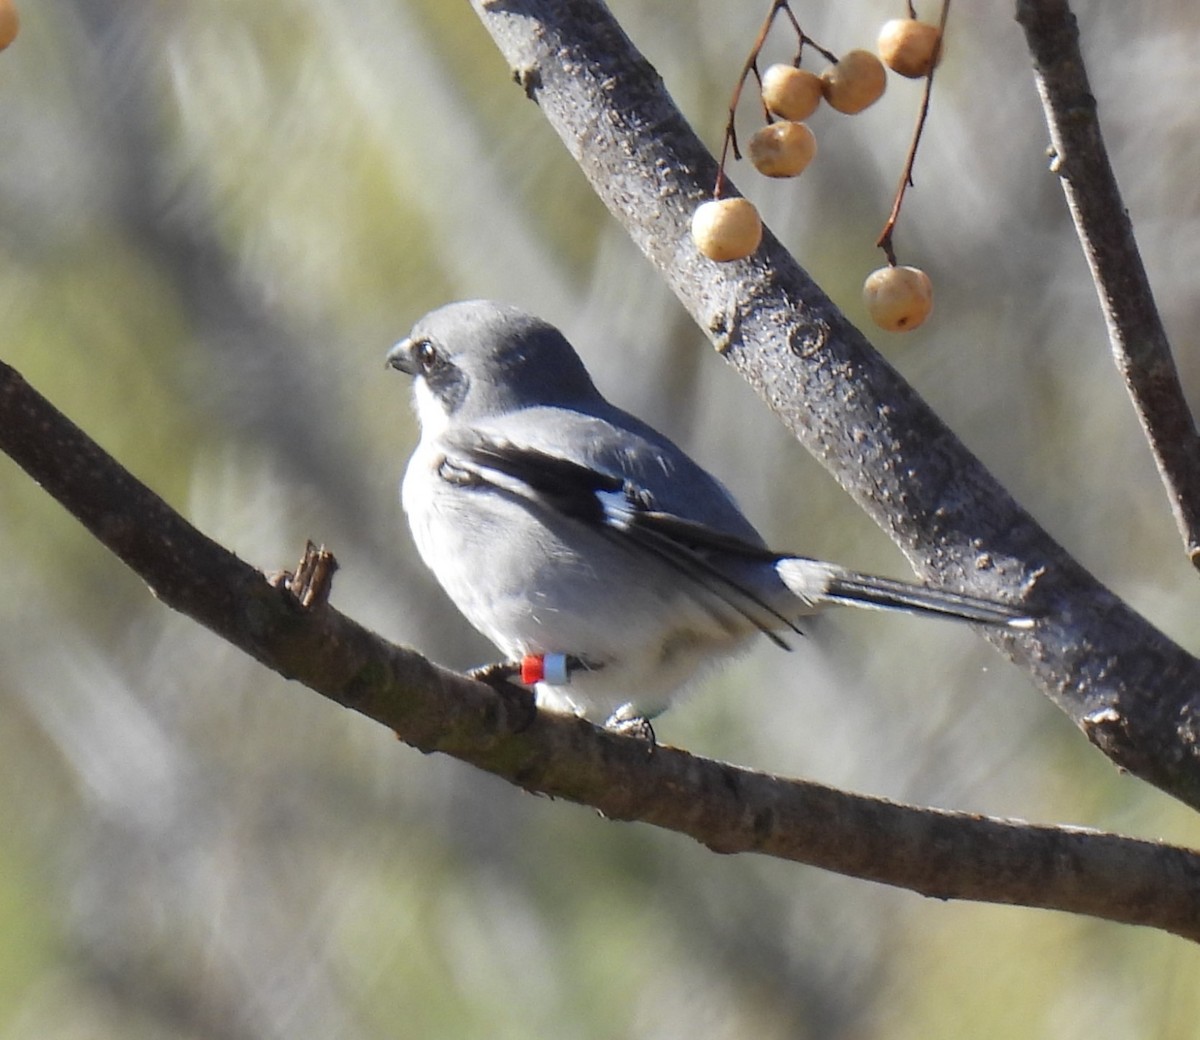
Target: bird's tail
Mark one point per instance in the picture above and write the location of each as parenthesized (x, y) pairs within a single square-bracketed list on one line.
[(815, 582)]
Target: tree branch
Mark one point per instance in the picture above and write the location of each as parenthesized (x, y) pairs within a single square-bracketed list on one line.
[(937, 853), (1139, 341), (1135, 693)]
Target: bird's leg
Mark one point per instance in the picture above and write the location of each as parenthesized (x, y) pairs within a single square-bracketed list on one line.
[(552, 669)]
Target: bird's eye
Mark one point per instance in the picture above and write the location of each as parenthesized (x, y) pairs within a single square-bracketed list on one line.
[(426, 355), (437, 371)]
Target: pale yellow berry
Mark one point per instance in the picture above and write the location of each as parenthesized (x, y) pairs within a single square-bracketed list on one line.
[(908, 46), (791, 93), (10, 24), (856, 81), (782, 149), (726, 229), (898, 298)]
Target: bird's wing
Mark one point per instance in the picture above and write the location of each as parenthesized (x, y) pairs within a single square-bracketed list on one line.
[(622, 510)]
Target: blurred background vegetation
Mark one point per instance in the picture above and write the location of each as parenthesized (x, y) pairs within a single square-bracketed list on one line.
[(215, 217)]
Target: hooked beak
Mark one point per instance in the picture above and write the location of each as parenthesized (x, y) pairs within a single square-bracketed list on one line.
[(400, 357)]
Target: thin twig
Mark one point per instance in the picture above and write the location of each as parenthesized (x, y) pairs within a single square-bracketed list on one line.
[(1139, 342)]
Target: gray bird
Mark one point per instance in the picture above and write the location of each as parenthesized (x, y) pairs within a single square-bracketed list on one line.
[(568, 531)]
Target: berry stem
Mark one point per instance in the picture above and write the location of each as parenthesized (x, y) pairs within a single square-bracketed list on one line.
[(884, 241), (751, 66)]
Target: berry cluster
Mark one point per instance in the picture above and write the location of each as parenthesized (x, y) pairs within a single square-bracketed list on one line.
[(723, 229)]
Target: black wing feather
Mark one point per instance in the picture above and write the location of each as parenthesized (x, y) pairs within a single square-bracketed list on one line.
[(568, 487), (576, 490)]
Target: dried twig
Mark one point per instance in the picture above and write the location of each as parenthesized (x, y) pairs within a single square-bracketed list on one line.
[(1139, 341)]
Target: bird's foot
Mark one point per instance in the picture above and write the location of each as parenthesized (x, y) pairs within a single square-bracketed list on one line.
[(629, 722), (496, 672), (499, 675)]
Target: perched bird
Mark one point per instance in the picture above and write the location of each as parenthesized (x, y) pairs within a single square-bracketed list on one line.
[(573, 535)]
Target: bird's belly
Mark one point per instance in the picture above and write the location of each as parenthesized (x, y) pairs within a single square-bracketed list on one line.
[(559, 586)]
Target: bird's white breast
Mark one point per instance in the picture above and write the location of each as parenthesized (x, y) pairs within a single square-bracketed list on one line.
[(531, 588)]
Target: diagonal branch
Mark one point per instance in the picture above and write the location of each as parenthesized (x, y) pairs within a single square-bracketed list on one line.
[(943, 854), (1139, 341), (1133, 692)]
